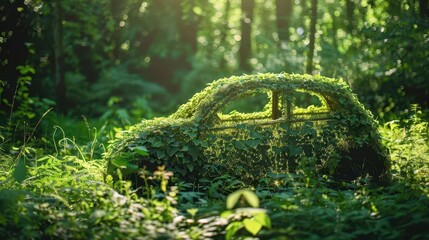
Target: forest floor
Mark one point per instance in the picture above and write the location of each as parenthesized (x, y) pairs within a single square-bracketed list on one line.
[(66, 194)]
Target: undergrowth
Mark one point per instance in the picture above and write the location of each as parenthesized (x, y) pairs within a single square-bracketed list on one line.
[(65, 192)]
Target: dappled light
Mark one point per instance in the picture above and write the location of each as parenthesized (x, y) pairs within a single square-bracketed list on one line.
[(214, 119)]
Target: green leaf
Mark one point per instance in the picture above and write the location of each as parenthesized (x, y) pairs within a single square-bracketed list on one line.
[(172, 150), (197, 10), (232, 199), (294, 150), (122, 163), (232, 228), (252, 226), (141, 150), (20, 173), (160, 154), (253, 143), (190, 167), (239, 145), (263, 219), (226, 214), (251, 198), (157, 144), (192, 211)]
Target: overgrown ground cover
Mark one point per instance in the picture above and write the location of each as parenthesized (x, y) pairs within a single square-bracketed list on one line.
[(64, 192)]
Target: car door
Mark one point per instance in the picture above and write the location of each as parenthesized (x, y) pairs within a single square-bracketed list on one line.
[(239, 135), (304, 140)]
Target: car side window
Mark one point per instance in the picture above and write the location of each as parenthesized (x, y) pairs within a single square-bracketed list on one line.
[(271, 106), (249, 107), (300, 105)]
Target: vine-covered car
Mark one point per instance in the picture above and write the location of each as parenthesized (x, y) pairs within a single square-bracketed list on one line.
[(248, 126)]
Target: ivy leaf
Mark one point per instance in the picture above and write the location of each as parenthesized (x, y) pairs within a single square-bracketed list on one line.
[(156, 144), (171, 151), (123, 163), (252, 226), (294, 150), (239, 145), (160, 154), (277, 150), (142, 151), (253, 143), (256, 135)]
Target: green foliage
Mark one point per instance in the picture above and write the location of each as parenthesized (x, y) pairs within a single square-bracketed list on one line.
[(409, 146), (378, 46), (25, 113), (390, 74), (68, 194)]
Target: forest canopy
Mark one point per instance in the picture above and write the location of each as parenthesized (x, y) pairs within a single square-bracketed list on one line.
[(84, 56)]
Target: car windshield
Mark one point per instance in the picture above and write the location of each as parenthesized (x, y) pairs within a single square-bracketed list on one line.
[(188, 109)]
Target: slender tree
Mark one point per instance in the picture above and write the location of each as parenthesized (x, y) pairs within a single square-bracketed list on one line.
[(310, 55), (116, 7), (283, 12), (424, 8), (187, 25), (60, 85), (245, 50), (350, 8), (224, 32), (334, 30)]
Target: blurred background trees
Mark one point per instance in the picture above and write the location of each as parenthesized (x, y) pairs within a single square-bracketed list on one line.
[(147, 57)]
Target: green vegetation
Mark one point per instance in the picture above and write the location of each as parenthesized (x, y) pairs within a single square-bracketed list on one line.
[(78, 77), (66, 195)]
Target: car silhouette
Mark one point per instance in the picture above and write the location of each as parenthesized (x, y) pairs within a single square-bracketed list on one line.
[(251, 125)]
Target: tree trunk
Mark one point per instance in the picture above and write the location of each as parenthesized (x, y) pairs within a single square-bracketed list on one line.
[(350, 8), (283, 12), (169, 69), (187, 26), (424, 8), (334, 30), (60, 85), (224, 33), (309, 67), (116, 7), (13, 52), (245, 50)]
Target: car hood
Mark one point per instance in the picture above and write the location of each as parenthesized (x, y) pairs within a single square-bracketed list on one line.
[(152, 125), (144, 129)]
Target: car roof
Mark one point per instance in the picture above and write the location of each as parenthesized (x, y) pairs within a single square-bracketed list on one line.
[(329, 88)]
